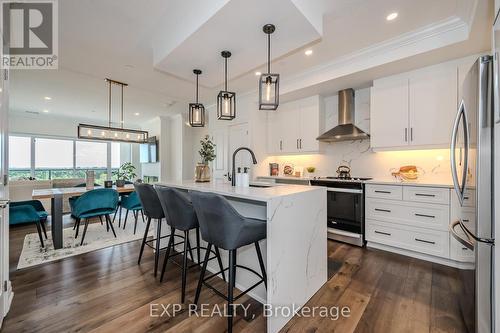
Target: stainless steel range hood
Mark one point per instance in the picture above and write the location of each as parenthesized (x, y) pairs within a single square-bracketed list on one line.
[(345, 130)]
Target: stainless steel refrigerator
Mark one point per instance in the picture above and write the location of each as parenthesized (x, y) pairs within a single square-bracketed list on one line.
[(472, 171)]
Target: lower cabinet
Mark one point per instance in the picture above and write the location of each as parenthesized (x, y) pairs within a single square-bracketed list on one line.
[(413, 220)]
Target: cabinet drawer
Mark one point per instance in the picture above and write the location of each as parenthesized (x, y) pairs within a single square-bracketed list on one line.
[(413, 214), (459, 252), (394, 192), (419, 240), (426, 194)]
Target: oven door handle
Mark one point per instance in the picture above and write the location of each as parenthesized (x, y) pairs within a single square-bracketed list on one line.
[(344, 190)]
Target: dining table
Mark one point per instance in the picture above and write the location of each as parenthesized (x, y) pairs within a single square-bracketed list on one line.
[(56, 196)]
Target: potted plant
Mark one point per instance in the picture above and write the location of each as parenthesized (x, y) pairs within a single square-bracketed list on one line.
[(126, 172), (207, 153)]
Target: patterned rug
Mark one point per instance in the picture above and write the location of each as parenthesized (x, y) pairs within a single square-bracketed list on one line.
[(96, 238)]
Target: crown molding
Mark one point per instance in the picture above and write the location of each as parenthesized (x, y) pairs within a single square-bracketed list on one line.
[(437, 35)]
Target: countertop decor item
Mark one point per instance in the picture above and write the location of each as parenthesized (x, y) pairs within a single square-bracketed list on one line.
[(126, 172), (274, 169), (311, 169), (196, 110), (343, 171), (89, 179), (268, 82), (108, 183), (408, 172), (110, 133), (288, 170), (207, 154), (226, 100)]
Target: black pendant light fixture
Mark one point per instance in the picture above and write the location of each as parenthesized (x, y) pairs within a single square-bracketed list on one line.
[(226, 100), (109, 133), (196, 110), (269, 83)]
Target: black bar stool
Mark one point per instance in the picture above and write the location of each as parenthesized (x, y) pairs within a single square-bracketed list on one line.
[(153, 210), (222, 226), (181, 216)]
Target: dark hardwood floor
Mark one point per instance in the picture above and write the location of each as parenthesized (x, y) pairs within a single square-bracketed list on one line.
[(106, 291)]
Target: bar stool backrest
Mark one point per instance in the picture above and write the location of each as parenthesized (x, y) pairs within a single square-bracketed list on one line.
[(177, 207), (220, 224), (149, 200)]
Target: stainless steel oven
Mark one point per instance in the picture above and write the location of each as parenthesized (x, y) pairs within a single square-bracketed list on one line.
[(345, 209)]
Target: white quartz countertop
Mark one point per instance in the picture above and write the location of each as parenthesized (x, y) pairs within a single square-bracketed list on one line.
[(249, 193), (418, 182), (291, 178)]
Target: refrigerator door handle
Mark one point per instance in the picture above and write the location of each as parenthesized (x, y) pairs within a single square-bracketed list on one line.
[(461, 114), (470, 235), (468, 243)]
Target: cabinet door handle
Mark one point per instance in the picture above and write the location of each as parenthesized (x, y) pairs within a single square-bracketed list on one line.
[(424, 241), (300, 141), (382, 233), (281, 144), (382, 210), (424, 215), (297, 143), (385, 192), (411, 133), (406, 134), (425, 195)]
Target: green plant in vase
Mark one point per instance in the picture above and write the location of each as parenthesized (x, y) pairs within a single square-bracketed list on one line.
[(207, 154), (126, 172)]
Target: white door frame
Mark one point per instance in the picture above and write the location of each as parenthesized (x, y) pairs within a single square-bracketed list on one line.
[(6, 293)]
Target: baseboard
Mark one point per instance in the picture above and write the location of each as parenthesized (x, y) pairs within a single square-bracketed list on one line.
[(421, 256)]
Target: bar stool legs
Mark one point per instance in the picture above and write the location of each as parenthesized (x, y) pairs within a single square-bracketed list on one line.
[(157, 248), (148, 223), (230, 288)]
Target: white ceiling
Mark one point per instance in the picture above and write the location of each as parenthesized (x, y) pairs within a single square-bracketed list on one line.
[(124, 39)]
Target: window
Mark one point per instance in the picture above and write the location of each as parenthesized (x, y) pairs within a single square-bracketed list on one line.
[(19, 157), (51, 158)]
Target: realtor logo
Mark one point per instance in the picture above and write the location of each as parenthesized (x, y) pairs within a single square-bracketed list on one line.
[(30, 34)]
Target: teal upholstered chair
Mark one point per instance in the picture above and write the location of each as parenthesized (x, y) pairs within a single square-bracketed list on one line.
[(72, 200), (30, 211), (99, 202), (131, 203)]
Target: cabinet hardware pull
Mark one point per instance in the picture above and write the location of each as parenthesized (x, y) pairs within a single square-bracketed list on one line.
[(424, 241), (425, 195), (382, 233), (465, 221), (411, 133), (382, 210), (466, 198), (300, 142), (385, 192), (297, 143), (424, 215), (281, 144), (406, 134)]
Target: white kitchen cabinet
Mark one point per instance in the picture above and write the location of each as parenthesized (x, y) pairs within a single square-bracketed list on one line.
[(294, 127), (389, 112), (433, 105), (414, 110)]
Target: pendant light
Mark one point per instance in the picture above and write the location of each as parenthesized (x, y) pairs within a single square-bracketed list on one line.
[(269, 83), (109, 133), (226, 100), (196, 110)]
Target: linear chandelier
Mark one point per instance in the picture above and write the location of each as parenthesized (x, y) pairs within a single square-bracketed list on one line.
[(110, 133)]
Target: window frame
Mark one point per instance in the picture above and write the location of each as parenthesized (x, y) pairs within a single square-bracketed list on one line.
[(33, 138)]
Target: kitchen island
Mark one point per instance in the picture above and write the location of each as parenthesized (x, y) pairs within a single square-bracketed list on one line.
[(295, 250)]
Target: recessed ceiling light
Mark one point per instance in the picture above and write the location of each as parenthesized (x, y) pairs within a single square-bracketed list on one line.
[(47, 98), (391, 16), (136, 114), (308, 52), (45, 111), (258, 73)]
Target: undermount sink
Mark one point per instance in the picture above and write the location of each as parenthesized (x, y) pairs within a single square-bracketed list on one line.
[(260, 185)]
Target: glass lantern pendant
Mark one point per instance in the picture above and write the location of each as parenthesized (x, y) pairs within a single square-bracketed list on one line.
[(196, 110), (269, 82), (226, 100)]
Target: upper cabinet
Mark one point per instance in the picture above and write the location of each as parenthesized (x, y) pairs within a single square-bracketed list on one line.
[(414, 110), (294, 127)]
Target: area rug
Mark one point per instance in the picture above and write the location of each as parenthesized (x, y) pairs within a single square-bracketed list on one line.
[(96, 238)]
